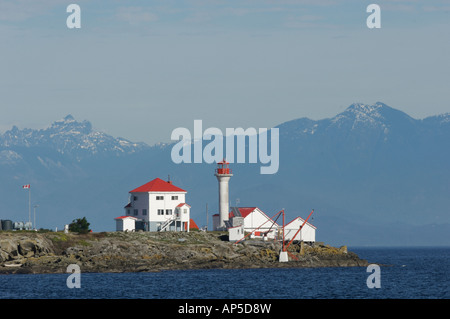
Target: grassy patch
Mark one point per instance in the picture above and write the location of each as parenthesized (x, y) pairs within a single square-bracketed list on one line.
[(58, 237), (84, 243)]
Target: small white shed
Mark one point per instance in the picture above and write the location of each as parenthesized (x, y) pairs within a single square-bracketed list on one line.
[(125, 223), (308, 232), (236, 233), (256, 221)]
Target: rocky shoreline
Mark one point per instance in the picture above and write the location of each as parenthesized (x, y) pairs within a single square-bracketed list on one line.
[(52, 252)]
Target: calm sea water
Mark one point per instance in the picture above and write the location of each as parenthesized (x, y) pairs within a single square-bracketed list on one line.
[(415, 273)]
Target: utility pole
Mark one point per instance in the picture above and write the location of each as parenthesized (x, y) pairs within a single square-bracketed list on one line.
[(28, 186), (34, 208), (29, 204), (283, 257), (206, 216)]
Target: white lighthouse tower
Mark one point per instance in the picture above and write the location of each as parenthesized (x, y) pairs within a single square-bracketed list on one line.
[(223, 174)]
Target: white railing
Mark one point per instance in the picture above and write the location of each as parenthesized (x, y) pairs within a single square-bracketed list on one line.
[(167, 222)]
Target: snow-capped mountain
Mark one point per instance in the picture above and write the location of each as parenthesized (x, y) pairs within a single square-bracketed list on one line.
[(373, 174), (367, 136), (70, 137), (357, 118), (376, 115), (365, 139), (368, 166)]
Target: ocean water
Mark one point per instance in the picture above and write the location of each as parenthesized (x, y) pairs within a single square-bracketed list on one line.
[(411, 273)]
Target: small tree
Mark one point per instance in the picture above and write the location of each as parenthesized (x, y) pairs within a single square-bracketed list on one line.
[(79, 225)]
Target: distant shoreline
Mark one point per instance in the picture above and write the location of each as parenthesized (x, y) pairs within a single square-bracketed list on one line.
[(116, 252)]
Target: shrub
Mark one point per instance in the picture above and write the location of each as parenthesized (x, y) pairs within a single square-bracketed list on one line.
[(80, 226)]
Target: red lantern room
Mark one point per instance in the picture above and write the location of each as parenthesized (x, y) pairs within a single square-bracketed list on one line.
[(223, 167)]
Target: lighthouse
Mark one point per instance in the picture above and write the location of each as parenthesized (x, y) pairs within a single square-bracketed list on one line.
[(223, 174)]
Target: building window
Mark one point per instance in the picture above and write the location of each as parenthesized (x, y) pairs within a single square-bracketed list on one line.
[(144, 212), (135, 212), (174, 197), (168, 212), (128, 212), (160, 211), (135, 198), (159, 197)]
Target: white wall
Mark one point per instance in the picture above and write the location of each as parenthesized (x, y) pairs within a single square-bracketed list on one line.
[(148, 201), (165, 204), (138, 204), (125, 224), (184, 213), (308, 232), (235, 233), (258, 218)]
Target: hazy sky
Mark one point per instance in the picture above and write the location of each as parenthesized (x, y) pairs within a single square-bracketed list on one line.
[(139, 69)]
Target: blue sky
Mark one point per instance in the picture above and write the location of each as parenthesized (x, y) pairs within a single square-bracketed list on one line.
[(139, 69)]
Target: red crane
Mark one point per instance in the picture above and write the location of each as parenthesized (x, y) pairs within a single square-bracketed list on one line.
[(270, 219), (286, 247)]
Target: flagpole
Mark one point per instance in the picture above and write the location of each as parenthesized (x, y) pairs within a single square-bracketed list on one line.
[(29, 204), (34, 211)]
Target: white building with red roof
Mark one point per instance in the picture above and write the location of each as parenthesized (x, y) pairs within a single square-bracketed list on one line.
[(125, 223), (159, 206), (253, 220), (307, 233)]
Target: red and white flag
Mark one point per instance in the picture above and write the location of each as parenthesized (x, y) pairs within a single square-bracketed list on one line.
[(26, 186)]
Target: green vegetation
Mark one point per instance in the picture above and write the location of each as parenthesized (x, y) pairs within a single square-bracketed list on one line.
[(80, 226), (58, 237)]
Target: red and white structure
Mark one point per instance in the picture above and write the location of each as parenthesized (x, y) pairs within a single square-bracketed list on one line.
[(254, 221), (249, 222), (306, 234), (223, 174), (242, 222), (158, 206), (125, 223)]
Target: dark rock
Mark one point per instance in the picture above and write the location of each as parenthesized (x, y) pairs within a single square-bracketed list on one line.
[(143, 251)]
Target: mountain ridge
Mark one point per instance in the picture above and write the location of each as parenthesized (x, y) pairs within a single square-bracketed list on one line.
[(70, 136), (367, 169), (71, 128)]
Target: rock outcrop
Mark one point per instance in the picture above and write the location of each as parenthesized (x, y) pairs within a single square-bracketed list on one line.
[(28, 252)]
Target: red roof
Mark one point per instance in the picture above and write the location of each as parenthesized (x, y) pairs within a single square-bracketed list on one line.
[(123, 217), (182, 204), (157, 185), (301, 221), (192, 224), (244, 211), (224, 162)]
